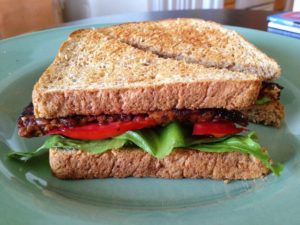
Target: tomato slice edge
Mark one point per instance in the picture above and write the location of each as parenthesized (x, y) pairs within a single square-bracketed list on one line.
[(217, 129), (102, 131)]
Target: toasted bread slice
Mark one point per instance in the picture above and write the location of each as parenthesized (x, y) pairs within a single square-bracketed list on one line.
[(94, 74), (181, 163), (197, 41), (271, 114)]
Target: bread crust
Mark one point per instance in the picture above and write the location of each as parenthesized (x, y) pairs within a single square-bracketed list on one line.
[(234, 95), (181, 163), (270, 114), (93, 74)]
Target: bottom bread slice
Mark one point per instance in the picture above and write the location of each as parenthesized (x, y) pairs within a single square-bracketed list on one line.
[(271, 114), (181, 163)]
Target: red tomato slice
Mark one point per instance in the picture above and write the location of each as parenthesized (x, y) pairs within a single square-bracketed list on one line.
[(217, 129), (102, 131)]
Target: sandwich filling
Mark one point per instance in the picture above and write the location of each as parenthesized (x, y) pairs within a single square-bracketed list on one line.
[(158, 133), (96, 127), (269, 92)]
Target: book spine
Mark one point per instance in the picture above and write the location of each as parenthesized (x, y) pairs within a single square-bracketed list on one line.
[(283, 22), (283, 32), (283, 27)]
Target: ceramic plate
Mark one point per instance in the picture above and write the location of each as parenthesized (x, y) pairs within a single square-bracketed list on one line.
[(29, 194)]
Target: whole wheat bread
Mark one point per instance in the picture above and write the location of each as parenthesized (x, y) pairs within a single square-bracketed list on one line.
[(94, 74), (197, 41), (181, 163), (271, 114)]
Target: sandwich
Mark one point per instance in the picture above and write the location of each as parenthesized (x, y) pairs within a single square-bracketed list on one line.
[(114, 109), (211, 45)]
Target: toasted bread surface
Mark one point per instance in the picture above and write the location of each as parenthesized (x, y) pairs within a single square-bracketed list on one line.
[(197, 41), (181, 163), (94, 74), (270, 114)]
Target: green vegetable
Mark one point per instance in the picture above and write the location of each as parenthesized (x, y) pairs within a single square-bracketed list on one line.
[(57, 141), (159, 142), (244, 144), (263, 100)]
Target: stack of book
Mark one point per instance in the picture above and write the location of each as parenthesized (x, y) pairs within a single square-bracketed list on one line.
[(287, 23)]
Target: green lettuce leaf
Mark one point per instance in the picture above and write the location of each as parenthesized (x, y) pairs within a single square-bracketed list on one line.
[(244, 144), (159, 142), (57, 141), (263, 100)]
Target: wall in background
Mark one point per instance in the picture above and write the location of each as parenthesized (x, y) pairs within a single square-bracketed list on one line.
[(21, 16), (163, 5), (106, 7), (296, 6), (286, 5), (265, 4), (79, 9)]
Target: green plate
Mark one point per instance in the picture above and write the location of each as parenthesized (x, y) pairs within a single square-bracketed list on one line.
[(29, 194)]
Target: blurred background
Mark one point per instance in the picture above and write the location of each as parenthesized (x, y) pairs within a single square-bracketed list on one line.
[(21, 16)]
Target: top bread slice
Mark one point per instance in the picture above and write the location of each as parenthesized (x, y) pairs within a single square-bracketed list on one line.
[(94, 74), (197, 41)]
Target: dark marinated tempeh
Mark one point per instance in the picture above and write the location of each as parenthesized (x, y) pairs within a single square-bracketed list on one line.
[(272, 90), (30, 126)]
